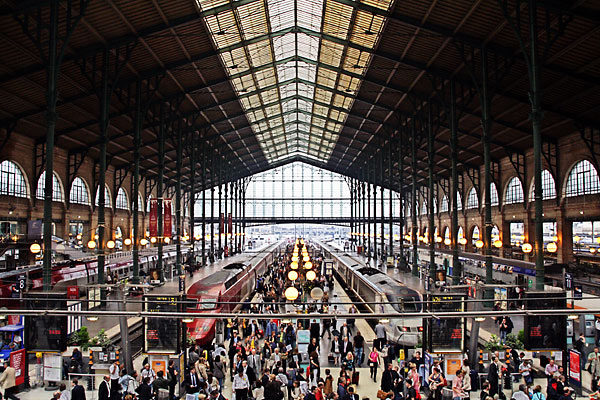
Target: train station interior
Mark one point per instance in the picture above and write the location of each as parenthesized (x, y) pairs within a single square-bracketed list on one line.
[(299, 199)]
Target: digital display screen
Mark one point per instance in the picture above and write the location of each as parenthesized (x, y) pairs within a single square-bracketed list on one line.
[(545, 332), (446, 334), (162, 334), (46, 332)]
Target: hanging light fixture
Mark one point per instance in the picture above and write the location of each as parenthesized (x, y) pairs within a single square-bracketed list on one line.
[(110, 244), (144, 241), (127, 242), (462, 241), (551, 247), (447, 241), (91, 244), (527, 248), (291, 293), (311, 275), (294, 265), (292, 275), (35, 248), (308, 265), (152, 240), (498, 243), (479, 244)]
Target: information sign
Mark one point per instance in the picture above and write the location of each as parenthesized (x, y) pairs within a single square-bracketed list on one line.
[(162, 334), (446, 335), (17, 361), (547, 332), (575, 370)]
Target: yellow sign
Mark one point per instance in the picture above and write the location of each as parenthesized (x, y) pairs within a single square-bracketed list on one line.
[(401, 357)]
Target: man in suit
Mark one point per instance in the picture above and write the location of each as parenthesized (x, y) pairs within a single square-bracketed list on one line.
[(77, 391), (191, 382), (104, 389), (8, 381), (346, 346), (254, 361), (494, 376)]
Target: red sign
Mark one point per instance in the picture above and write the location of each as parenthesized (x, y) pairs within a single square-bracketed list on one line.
[(222, 223), (14, 319), (73, 292), (167, 217), (229, 224), (17, 361), (153, 225), (575, 366)]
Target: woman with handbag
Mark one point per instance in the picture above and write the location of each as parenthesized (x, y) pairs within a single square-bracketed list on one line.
[(374, 363), (436, 383)]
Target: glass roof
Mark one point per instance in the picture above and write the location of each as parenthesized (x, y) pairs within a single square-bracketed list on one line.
[(296, 65)]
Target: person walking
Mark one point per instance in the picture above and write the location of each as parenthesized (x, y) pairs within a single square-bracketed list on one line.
[(374, 361), (8, 381), (359, 348), (593, 363), (104, 389), (77, 391), (241, 385)]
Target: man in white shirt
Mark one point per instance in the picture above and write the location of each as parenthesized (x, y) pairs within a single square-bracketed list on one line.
[(381, 334), (525, 371), (114, 377), (241, 385), (148, 372), (521, 395)]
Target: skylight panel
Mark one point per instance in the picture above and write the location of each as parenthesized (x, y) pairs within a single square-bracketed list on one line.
[(265, 77), (287, 90), (366, 29), (323, 96), (382, 4), (288, 105), (208, 4), (306, 90), (286, 71), (310, 13), (337, 19), (289, 118), (307, 71), (308, 46), (326, 78), (284, 46), (331, 53), (260, 53), (253, 19), (304, 105), (281, 14), (224, 29)]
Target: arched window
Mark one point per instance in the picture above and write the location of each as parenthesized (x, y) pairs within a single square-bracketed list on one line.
[(57, 194), (140, 203), (475, 235), (148, 203), (548, 187), (107, 202), (583, 179), (79, 192), (494, 195), (12, 180), (461, 233), (459, 203), (424, 209), (122, 202), (514, 192), (472, 199), (444, 205)]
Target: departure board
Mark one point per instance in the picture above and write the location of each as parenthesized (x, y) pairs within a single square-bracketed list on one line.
[(162, 334), (46, 332), (547, 332), (446, 335)]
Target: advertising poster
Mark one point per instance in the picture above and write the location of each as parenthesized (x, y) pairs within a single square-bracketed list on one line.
[(575, 370), (229, 223), (159, 365), (153, 223), (167, 217), (17, 361), (222, 223)]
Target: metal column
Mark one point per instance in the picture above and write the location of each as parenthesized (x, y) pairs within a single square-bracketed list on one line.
[(536, 121), (382, 220), (402, 263), (485, 125), (159, 193), (192, 194), (178, 198), (203, 204), (456, 273), (430, 200), (390, 205), (375, 256), (221, 218), (413, 200), (136, 180), (368, 211)]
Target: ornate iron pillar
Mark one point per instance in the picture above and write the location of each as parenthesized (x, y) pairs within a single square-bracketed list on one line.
[(192, 195), (212, 205), (390, 205), (430, 200), (375, 255), (52, 72), (136, 180), (485, 125), (203, 203), (402, 264), (178, 198), (103, 122), (413, 200), (159, 192), (221, 217), (369, 210), (536, 122), (456, 273), (381, 201)]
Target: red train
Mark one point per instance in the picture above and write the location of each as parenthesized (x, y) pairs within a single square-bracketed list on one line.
[(232, 284), (73, 273)]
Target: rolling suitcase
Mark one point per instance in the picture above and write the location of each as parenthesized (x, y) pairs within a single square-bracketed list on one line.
[(355, 377)]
